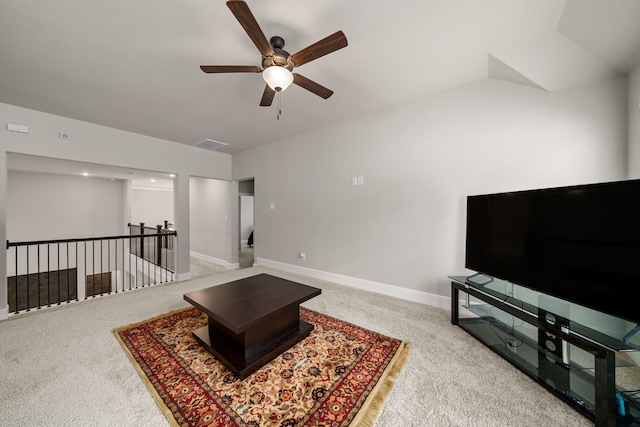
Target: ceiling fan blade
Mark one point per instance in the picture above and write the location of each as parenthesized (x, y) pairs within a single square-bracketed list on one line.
[(243, 14), (230, 69), (267, 96), (325, 46), (312, 86)]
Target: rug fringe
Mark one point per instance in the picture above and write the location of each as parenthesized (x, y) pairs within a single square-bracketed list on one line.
[(372, 407), (159, 316)]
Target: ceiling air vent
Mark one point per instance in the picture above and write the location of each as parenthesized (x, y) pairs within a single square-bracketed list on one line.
[(210, 144)]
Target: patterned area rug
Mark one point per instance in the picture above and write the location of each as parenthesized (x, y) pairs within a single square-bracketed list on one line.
[(338, 376)]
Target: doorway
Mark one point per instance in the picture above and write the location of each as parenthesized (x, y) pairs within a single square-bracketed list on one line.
[(246, 255)]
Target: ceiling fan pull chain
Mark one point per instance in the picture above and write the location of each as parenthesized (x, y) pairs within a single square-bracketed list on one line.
[(279, 104)]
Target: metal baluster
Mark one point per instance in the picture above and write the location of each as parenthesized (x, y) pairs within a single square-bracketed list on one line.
[(68, 275), (148, 272), (115, 267), (77, 290), (123, 270), (16, 282), (159, 254), (93, 269), (85, 269), (48, 275), (58, 273), (109, 264), (165, 247), (28, 302), (123, 277), (135, 277), (39, 301), (101, 269)]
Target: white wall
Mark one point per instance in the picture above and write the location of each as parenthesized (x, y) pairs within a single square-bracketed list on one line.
[(633, 88), (246, 217), (47, 206), (405, 226), (211, 219), (151, 206)]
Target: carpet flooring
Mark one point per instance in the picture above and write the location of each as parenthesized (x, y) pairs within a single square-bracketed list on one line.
[(63, 366)]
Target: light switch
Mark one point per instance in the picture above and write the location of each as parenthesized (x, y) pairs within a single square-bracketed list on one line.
[(272, 206)]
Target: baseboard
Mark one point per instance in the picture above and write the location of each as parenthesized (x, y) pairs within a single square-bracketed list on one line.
[(366, 285), (4, 313), (181, 277), (231, 266)]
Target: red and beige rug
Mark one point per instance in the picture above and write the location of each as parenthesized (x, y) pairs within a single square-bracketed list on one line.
[(338, 376)]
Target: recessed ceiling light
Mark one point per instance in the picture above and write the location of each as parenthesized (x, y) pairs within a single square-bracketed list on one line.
[(85, 173), (172, 175), (153, 180)]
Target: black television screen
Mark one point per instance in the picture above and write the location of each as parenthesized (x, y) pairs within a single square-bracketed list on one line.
[(579, 243)]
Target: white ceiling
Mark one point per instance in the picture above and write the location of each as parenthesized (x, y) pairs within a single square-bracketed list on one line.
[(134, 64)]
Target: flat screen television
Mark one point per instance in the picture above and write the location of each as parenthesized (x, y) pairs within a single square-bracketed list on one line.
[(578, 243)]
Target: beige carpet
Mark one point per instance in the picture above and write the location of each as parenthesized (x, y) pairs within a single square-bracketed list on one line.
[(63, 366)]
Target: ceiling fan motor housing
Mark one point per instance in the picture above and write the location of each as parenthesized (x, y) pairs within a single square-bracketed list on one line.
[(281, 56)]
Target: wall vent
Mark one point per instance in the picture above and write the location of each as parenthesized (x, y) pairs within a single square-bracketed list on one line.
[(210, 144)]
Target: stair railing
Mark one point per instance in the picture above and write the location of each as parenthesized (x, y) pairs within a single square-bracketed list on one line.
[(51, 272)]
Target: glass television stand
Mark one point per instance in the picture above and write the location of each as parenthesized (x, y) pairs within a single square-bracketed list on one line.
[(578, 354)]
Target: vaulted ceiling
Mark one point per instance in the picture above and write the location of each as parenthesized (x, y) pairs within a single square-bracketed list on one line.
[(134, 65)]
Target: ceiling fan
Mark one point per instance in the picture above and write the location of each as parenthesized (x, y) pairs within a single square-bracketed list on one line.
[(277, 64)]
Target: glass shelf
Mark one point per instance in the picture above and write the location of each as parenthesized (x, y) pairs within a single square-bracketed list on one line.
[(577, 353), (514, 333), (598, 327)]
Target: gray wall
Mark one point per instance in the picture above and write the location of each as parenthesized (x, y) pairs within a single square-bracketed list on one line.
[(47, 206), (402, 232), (152, 206), (211, 219)]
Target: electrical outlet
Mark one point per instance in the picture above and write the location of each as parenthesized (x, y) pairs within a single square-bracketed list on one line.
[(303, 256)]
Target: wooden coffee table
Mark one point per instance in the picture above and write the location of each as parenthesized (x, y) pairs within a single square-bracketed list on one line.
[(252, 320)]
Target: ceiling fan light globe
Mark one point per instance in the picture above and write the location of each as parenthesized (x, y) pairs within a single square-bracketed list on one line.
[(278, 78)]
